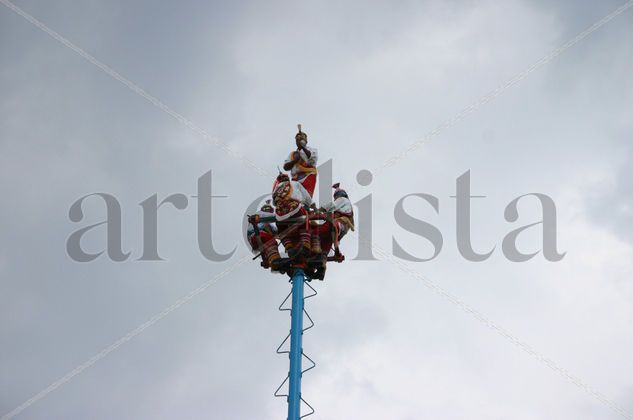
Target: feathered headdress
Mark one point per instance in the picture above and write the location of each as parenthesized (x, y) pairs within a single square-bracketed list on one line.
[(300, 134)]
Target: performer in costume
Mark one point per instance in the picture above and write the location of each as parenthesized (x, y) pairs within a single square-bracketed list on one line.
[(262, 237), (291, 199), (342, 215), (339, 221), (302, 163)]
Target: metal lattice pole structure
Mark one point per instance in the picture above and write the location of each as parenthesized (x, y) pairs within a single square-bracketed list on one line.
[(295, 339), (296, 345)]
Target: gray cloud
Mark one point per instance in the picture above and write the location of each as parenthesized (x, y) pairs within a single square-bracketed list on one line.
[(366, 80)]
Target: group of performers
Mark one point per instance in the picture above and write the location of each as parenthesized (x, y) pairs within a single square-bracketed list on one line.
[(307, 233)]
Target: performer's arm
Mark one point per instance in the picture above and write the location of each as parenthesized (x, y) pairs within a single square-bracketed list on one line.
[(292, 161), (267, 219), (313, 157), (306, 151)]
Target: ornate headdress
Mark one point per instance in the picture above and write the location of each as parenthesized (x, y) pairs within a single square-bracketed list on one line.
[(338, 192), (267, 207), (282, 177), (300, 134)]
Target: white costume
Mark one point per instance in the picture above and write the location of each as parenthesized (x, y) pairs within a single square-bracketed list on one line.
[(306, 166), (342, 212), (341, 205)]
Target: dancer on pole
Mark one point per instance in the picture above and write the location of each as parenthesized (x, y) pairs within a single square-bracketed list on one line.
[(262, 237), (302, 163), (342, 215), (291, 199)]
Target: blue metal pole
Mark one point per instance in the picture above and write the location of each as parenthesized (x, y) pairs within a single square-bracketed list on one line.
[(296, 349)]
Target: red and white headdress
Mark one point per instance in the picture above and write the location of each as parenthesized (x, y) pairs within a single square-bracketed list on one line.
[(339, 192)]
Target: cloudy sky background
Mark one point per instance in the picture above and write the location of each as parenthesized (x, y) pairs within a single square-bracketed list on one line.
[(366, 79)]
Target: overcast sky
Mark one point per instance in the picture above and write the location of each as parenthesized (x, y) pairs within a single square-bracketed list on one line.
[(366, 79)]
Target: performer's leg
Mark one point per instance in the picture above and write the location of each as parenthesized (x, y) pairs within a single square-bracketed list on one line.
[(252, 240), (335, 237), (316, 242), (290, 234), (342, 229), (325, 237), (286, 236), (270, 253), (306, 241)]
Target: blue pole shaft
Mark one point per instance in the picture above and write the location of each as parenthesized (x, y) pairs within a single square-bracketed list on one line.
[(296, 335)]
